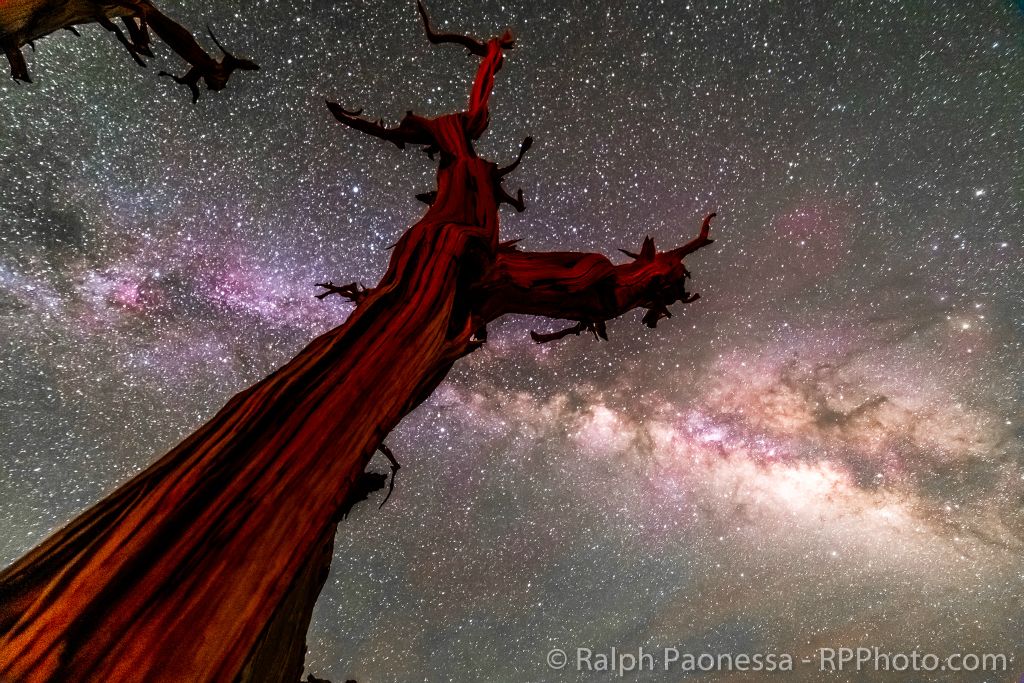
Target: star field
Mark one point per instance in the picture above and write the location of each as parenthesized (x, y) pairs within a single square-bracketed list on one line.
[(824, 451)]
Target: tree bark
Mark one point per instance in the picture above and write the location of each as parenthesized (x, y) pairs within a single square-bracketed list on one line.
[(205, 566)]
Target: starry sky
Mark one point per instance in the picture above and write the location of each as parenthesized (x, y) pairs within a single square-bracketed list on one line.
[(824, 451)]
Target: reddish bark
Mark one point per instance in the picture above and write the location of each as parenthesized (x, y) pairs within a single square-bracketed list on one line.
[(206, 565)]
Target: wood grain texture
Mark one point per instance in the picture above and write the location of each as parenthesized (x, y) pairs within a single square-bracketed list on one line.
[(206, 565)]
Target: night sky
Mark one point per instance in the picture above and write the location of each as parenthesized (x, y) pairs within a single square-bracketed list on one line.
[(827, 450)]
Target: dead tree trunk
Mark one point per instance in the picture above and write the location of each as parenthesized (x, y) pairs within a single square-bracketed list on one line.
[(205, 566)]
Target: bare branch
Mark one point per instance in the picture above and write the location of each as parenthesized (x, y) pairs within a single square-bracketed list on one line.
[(586, 287), (475, 46), (654, 314), (190, 79), (523, 148), (122, 38), (203, 67), (394, 471), (411, 131), (502, 195), (516, 202), (647, 251), (353, 291), (365, 484), (138, 29), (702, 240), (598, 328), (19, 68)]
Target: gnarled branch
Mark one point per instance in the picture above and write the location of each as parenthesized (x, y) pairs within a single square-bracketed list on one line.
[(27, 21), (523, 149), (476, 47), (353, 291), (490, 51), (587, 287), (122, 38), (204, 67), (413, 129), (19, 68), (516, 202), (700, 241)]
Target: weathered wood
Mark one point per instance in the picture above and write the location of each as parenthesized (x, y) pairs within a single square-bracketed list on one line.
[(205, 566), (24, 21), (280, 650)]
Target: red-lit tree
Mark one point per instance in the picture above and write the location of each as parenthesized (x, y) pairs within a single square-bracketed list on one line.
[(206, 566)]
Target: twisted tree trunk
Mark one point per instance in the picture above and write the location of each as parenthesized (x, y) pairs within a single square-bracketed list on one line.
[(206, 565)]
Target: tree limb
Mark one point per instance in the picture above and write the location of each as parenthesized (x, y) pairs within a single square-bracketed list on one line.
[(19, 69), (413, 130), (523, 149), (394, 471), (598, 328), (587, 287), (37, 18), (516, 202), (476, 47), (702, 240), (353, 291)]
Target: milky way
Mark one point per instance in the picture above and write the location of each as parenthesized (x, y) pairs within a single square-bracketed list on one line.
[(824, 451)]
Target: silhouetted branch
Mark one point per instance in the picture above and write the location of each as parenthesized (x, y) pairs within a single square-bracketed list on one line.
[(138, 29), (523, 148), (702, 240), (647, 251), (122, 38), (365, 484), (19, 68), (137, 15), (411, 131), (598, 328), (476, 47), (353, 291), (204, 67), (394, 471), (516, 202)]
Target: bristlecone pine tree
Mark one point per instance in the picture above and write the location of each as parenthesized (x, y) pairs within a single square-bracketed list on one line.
[(206, 566)]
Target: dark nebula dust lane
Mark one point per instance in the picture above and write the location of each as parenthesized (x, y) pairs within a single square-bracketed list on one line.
[(824, 451)]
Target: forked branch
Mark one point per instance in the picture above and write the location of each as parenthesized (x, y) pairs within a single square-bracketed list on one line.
[(204, 67), (586, 287), (700, 241), (523, 149), (411, 131), (476, 47), (137, 16), (353, 291)]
